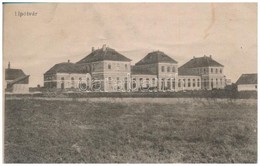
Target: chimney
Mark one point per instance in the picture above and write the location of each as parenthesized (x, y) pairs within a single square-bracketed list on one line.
[(68, 61), (193, 57), (9, 65), (93, 49), (210, 56), (104, 47)]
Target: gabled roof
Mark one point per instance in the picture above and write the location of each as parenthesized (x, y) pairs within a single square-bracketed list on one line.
[(104, 54), (65, 67), (247, 79), (156, 57), (17, 80), (201, 62), (12, 74), (137, 71)]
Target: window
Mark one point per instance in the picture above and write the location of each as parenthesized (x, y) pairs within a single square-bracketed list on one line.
[(216, 82), (162, 68), (216, 70), (220, 70), (211, 70), (212, 83), (179, 83), (220, 81), (173, 83), (204, 70), (109, 66), (198, 82), (125, 66), (205, 83), (147, 82), (188, 82), (72, 82), (256, 86), (168, 69), (134, 83), (173, 69), (154, 82), (184, 83), (193, 82)]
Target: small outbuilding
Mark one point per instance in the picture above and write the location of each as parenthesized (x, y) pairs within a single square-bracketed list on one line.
[(247, 82), (16, 81)]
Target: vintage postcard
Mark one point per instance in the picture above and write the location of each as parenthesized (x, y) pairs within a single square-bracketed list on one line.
[(130, 82)]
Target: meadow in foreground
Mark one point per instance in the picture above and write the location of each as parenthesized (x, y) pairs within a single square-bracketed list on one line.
[(39, 131)]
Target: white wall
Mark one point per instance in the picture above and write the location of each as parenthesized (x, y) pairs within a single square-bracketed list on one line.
[(20, 88)]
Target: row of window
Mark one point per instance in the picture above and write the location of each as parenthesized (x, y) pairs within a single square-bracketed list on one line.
[(168, 68), (206, 70), (117, 66)]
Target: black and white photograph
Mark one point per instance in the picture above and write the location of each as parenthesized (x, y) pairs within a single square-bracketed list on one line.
[(128, 82)]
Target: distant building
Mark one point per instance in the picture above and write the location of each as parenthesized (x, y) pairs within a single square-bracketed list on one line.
[(107, 70), (16, 80), (206, 70), (247, 82), (155, 70), (104, 69), (64, 75)]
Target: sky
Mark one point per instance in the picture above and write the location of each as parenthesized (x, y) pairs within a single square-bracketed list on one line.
[(68, 31)]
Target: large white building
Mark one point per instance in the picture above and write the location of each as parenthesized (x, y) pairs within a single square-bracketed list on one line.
[(107, 70)]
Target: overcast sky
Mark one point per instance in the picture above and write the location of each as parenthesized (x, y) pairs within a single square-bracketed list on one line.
[(60, 32)]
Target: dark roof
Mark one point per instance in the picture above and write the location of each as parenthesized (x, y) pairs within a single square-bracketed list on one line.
[(104, 54), (17, 80), (201, 62), (137, 71), (65, 67), (156, 57), (247, 79), (12, 74)]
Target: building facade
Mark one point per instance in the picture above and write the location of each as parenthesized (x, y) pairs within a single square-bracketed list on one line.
[(16, 81), (247, 82), (205, 68), (107, 70)]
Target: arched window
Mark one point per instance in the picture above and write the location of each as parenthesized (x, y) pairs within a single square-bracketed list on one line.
[(184, 83)]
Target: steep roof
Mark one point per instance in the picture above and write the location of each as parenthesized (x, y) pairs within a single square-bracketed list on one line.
[(137, 71), (12, 74), (247, 79), (17, 80), (104, 54), (156, 57), (65, 67), (201, 62)]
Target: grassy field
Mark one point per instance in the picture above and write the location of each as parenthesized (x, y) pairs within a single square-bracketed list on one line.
[(39, 131)]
